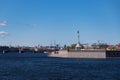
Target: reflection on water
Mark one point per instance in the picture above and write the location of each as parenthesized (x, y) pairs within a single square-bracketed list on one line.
[(44, 68)]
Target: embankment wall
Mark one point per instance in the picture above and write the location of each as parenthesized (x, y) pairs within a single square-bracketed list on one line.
[(79, 54), (61, 53), (87, 54)]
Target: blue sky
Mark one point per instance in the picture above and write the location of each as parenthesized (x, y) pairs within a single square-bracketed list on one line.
[(32, 22)]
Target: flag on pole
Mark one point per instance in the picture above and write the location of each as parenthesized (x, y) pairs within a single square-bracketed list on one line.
[(78, 31)]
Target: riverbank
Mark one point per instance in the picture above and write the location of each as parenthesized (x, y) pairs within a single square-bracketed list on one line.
[(85, 54)]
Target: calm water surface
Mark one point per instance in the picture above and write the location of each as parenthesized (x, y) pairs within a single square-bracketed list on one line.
[(31, 66)]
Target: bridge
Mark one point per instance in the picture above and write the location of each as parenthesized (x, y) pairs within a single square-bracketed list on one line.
[(6, 49)]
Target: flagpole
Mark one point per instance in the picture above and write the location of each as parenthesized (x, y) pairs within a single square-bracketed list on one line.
[(78, 36)]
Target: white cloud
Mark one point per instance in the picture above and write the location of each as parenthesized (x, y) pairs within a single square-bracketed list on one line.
[(3, 33), (3, 23)]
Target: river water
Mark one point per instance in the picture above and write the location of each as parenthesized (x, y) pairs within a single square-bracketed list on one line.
[(29, 66)]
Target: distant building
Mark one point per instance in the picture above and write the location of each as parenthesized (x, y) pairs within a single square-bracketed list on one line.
[(99, 45), (78, 46), (118, 46)]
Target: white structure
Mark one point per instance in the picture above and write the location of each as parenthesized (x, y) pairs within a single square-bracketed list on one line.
[(78, 45)]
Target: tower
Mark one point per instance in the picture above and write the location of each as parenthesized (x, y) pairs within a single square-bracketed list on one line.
[(78, 46), (78, 36)]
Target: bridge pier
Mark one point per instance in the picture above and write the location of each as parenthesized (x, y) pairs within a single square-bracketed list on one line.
[(3, 52)]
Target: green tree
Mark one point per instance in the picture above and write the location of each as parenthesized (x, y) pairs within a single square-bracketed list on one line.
[(72, 46)]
